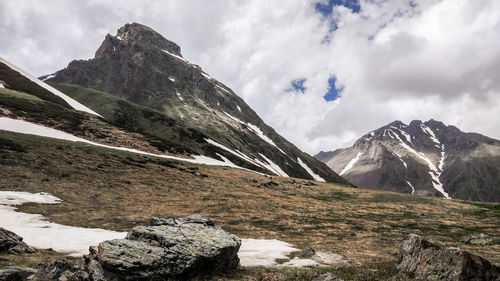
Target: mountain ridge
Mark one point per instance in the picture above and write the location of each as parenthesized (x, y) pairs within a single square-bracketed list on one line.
[(426, 158), (142, 67)]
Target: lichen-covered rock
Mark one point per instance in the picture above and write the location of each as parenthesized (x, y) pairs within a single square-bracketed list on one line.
[(12, 243), (479, 239), (172, 248), (308, 252), (61, 270), (421, 259), (15, 273)]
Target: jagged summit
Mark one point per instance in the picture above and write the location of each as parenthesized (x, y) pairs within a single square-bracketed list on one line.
[(141, 66), (426, 158), (135, 33)]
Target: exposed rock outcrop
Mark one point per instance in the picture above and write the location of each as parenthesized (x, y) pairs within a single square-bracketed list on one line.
[(15, 273), (308, 252), (170, 248), (421, 259), (480, 239), (61, 270), (12, 243)]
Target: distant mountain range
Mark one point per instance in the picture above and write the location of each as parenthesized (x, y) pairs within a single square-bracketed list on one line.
[(139, 92), (426, 158)]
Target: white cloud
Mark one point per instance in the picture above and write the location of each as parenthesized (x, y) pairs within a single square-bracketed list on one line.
[(439, 59)]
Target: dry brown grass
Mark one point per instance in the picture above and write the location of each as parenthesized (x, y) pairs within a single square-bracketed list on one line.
[(118, 190)]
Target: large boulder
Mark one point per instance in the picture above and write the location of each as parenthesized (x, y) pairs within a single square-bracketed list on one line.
[(12, 243), (169, 249), (421, 259)]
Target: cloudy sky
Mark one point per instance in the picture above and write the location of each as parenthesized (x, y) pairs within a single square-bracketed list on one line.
[(321, 72)]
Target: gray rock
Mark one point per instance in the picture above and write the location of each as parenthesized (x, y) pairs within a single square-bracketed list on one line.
[(195, 218), (480, 239), (308, 252), (171, 248), (327, 277), (12, 243), (15, 273), (421, 259), (61, 270)]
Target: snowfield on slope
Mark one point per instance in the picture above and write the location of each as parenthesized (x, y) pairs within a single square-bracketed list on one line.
[(73, 103), (434, 172), (24, 127), (270, 165), (315, 176), (351, 163), (256, 130)]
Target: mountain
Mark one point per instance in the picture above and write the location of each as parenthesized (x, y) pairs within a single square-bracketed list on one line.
[(140, 82), (426, 158)]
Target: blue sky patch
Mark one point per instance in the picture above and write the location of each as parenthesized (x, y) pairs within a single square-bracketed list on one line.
[(297, 85), (333, 92), (325, 9)]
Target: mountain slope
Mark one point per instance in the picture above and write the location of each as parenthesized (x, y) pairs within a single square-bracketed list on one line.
[(427, 158), (141, 67)]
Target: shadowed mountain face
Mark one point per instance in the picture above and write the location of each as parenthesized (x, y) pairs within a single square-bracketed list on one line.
[(426, 158), (141, 67)]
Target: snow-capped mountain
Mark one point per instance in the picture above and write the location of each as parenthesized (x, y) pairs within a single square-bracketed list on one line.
[(157, 92), (426, 158)]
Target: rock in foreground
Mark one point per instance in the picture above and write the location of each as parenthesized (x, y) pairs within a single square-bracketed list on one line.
[(169, 249), (15, 273), (12, 243), (421, 259)]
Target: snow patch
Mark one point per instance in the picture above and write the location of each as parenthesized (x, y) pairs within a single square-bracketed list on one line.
[(255, 252), (171, 78), (412, 188), (177, 57), (434, 172), (24, 127), (179, 96), (268, 165), (119, 38), (223, 89), (73, 103), (351, 163), (298, 262), (206, 75), (399, 157), (238, 107), (256, 130), (42, 234), (405, 134), (431, 134), (273, 166), (49, 76), (315, 176)]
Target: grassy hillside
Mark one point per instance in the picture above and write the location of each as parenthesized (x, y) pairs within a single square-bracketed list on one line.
[(118, 190)]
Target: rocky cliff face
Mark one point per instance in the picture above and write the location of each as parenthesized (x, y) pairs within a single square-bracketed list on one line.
[(142, 67), (426, 158)]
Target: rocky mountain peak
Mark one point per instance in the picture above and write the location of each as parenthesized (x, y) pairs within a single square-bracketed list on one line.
[(136, 34), (397, 123), (425, 157)]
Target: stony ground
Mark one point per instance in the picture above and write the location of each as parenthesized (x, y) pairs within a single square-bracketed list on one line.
[(117, 190)]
